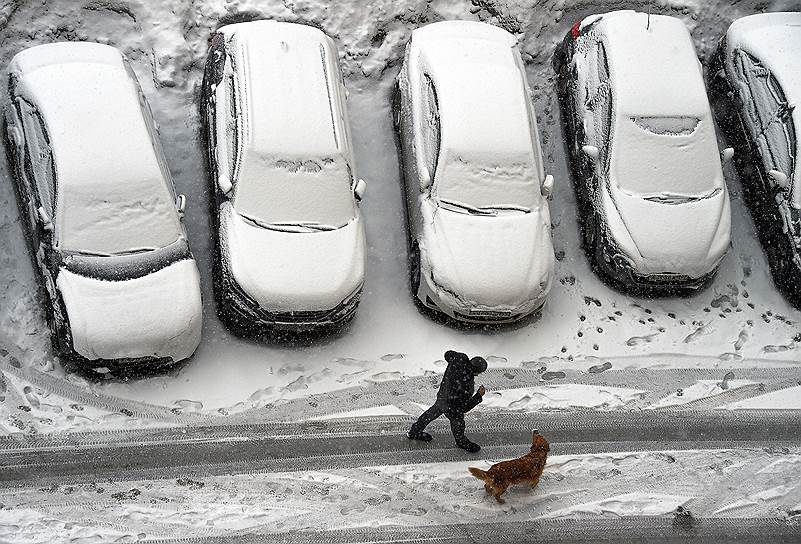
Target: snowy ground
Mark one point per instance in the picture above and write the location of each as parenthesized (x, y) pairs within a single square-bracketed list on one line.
[(733, 483), (741, 321), (734, 346)]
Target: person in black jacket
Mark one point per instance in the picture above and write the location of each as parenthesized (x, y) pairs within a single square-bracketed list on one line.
[(454, 399)]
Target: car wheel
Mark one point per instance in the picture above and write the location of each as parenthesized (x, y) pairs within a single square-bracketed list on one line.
[(414, 268)]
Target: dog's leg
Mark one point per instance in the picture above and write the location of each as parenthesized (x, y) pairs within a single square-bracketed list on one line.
[(499, 499), (488, 489)]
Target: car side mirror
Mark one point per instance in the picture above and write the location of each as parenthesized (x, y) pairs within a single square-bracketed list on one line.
[(224, 183), (547, 186), (359, 188), (780, 178), (592, 152), (180, 205), (726, 155), (44, 219), (425, 179)]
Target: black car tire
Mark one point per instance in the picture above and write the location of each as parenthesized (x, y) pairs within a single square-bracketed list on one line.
[(414, 268)]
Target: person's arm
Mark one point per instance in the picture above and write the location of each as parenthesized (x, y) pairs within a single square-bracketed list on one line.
[(475, 400)]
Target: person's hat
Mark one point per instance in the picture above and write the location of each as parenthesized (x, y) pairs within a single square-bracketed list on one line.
[(479, 364)]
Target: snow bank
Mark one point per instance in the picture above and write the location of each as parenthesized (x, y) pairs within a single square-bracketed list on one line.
[(156, 315), (384, 410), (784, 399), (627, 504), (561, 396), (699, 390)]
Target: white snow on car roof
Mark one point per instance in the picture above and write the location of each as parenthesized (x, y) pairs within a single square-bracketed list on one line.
[(288, 94), (774, 39), (648, 66), (112, 195), (480, 91)]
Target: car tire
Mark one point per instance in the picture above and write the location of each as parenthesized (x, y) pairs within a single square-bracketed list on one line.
[(414, 268)]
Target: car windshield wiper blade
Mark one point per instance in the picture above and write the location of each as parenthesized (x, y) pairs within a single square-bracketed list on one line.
[(512, 207), (287, 226), (467, 207), (134, 251), (84, 253), (307, 225)]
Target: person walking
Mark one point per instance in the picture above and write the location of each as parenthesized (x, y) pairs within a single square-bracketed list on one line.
[(454, 399)]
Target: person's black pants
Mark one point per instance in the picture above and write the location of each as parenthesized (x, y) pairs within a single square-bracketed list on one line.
[(454, 416)]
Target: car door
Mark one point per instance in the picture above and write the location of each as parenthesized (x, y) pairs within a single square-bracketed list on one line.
[(426, 125), (39, 169), (767, 119), (224, 117), (598, 116)]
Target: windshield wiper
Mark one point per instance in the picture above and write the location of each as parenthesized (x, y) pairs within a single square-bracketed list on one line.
[(507, 207), (134, 251), (679, 199), (467, 207), (287, 226), (306, 225)]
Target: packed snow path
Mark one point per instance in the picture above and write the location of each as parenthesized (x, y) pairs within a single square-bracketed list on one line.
[(735, 477)]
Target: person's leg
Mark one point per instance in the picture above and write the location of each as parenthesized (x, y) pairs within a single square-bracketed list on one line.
[(457, 428), (416, 432)]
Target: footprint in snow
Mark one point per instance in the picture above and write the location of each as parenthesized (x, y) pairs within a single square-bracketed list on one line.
[(386, 376), (553, 375), (640, 340), (186, 405), (597, 369), (703, 330), (771, 348), (496, 359), (729, 356), (392, 356), (741, 340)]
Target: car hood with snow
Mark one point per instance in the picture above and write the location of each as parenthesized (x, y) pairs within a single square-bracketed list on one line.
[(157, 315), (285, 271), (499, 262)]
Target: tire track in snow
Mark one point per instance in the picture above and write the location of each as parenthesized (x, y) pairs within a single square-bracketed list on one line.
[(199, 451)]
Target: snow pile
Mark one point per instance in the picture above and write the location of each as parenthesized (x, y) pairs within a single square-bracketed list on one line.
[(627, 504), (561, 396), (701, 389), (784, 399)]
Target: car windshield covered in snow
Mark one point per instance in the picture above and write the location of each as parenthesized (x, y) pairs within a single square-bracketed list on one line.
[(662, 136), (110, 192), (294, 168), (650, 158), (481, 127), (488, 184), (306, 192)]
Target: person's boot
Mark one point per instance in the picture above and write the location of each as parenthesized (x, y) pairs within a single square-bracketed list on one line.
[(468, 446), (414, 434)]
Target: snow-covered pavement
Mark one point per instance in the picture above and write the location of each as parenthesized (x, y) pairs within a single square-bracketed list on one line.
[(731, 483)]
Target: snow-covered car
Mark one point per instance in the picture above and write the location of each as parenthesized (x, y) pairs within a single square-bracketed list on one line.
[(479, 226), (755, 78), (290, 243), (641, 138), (100, 208)]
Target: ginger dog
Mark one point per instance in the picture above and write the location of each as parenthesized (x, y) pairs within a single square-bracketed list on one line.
[(526, 469)]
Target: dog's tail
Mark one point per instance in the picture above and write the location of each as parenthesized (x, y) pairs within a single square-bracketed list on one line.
[(478, 473)]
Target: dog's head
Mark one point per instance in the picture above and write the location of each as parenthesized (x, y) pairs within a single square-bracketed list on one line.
[(539, 443)]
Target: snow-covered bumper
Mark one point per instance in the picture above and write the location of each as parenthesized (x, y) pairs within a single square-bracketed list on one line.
[(485, 269), (156, 317), (288, 280), (665, 245)]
